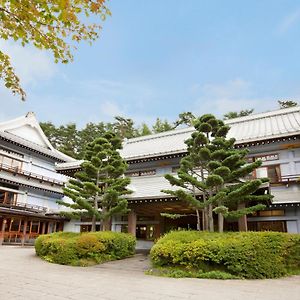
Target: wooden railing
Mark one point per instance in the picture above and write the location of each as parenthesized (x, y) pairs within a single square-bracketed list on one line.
[(25, 206), (290, 178), (16, 237), (17, 170)]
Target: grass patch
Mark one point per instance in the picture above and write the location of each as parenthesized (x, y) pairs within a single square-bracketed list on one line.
[(176, 272)]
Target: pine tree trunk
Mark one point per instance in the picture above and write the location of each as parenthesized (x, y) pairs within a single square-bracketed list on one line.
[(205, 218), (106, 225), (198, 220), (220, 222), (210, 218), (93, 223), (242, 222)]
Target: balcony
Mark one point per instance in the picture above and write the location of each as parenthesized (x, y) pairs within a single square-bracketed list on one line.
[(25, 207), (10, 200), (18, 171), (287, 179)]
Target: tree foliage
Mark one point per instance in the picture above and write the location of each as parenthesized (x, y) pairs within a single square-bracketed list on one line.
[(185, 118), (161, 126), (98, 189), (287, 103), (72, 141), (213, 176), (53, 25), (124, 127), (235, 114)]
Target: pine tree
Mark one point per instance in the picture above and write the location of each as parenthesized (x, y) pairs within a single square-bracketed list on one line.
[(98, 189), (212, 176), (144, 130), (68, 140), (186, 118), (287, 103), (161, 126), (124, 127), (235, 114), (88, 134)]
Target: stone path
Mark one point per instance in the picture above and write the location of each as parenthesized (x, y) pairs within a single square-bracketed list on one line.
[(25, 276)]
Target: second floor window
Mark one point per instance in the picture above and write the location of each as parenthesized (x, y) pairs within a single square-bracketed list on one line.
[(272, 172), (141, 173), (9, 162)]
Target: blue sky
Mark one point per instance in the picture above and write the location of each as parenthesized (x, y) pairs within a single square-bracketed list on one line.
[(162, 57)]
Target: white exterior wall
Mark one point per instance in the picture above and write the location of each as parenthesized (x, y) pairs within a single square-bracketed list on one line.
[(72, 226), (43, 167)]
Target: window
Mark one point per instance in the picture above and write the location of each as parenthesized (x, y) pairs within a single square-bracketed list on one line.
[(141, 173), (9, 162), (271, 172), (8, 197)]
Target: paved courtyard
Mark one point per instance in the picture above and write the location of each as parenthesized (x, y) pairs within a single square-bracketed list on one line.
[(25, 276)]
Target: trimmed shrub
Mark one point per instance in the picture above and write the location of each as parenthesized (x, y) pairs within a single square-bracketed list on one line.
[(82, 249), (243, 254)]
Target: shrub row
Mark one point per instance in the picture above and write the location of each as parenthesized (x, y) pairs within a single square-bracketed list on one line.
[(82, 249), (243, 254)]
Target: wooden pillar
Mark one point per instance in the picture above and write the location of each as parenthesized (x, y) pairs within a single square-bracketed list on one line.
[(54, 228), (24, 233), (38, 230), (242, 222), (2, 231), (49, 227), (44, 227), (158, 228), (132, 222)]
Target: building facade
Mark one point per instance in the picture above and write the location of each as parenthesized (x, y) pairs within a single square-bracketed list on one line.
[(273, 137), (32, 174), (29, 183)]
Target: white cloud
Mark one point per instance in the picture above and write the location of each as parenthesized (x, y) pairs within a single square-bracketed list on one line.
[(31, 65), (234, 95), (110, 109), (289, 21)]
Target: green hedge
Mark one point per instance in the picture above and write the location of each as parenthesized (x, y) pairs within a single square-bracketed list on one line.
[(83, 249), (242, 254)]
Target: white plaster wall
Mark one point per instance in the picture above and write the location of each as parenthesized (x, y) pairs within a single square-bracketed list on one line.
[(41, 200), (36, 200), (45, 168), (297, 152), (292, 226), (71, 226), (28, 133)]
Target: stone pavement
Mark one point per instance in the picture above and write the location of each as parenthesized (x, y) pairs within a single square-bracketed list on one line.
[(25, 276)]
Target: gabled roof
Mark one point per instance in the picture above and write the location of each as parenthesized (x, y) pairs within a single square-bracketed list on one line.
[(26, 132), (257, 127)]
